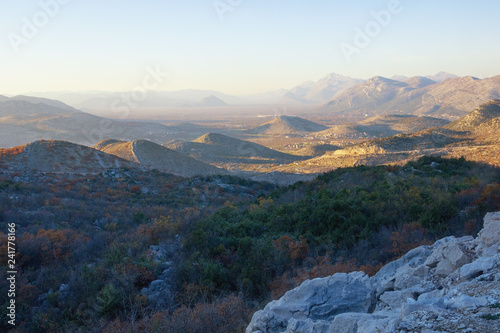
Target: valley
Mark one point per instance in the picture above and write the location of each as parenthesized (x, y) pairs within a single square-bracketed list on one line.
[(235, 166), (282, 143), (166, 221)]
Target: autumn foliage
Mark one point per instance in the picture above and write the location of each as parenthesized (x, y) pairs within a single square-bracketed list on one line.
[(88, 246), (12, 151), (48, 246)]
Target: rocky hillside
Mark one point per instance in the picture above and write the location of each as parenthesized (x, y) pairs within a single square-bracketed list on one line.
[(367, 95), (480, 115), (320, 91), (405, 123), (59, 157), (283, 125), (480, 144), (451, 286), (447, 99), (383, 126), (481, 123), (156, 156), (317, 150)]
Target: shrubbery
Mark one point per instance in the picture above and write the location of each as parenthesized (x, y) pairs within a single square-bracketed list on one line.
[(84, 246)]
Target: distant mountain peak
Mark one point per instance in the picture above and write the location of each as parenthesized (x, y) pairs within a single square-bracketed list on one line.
[(212, 100), (441, 76), (383, 79), (318, 91), (419, 82), (399, 78)]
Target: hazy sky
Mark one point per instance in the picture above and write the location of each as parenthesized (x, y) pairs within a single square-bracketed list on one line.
[(247, 46)]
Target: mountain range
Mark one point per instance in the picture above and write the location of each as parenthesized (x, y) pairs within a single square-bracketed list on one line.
[(24, 119), (318, 92), (307, 93), (310, 92), (451, 98), (441, 76)]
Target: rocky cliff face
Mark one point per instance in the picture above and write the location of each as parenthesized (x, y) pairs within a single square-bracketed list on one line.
[(451, 286)]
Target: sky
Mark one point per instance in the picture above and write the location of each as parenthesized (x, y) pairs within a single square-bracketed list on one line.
[(238, 46)]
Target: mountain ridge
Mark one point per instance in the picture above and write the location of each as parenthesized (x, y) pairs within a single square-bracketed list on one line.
[(446, 99)]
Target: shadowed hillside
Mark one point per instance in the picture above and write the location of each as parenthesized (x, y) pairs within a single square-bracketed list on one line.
[(156, 156)]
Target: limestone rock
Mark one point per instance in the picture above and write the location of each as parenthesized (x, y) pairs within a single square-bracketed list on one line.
[(317, 299), (386, 277), (447, 287), (447, 257), (490, 234), (478, 267), (348, 322)]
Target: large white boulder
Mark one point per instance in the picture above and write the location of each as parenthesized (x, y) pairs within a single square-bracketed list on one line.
[(447, 257), (317, 299), (490, 234)]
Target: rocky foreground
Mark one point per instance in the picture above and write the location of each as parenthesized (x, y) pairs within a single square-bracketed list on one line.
[(451, 286)]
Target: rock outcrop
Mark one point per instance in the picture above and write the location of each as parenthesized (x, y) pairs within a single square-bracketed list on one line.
[(451, 286)]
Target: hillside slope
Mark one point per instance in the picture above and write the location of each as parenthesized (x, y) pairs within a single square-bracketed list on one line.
[(383, 126), (46, 101), (156, 156), (59, 157), (25, 119), (480, 115), (212, 101), (318, 92), (366, 96), (474, 137), (447, 99), (283, 125)]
